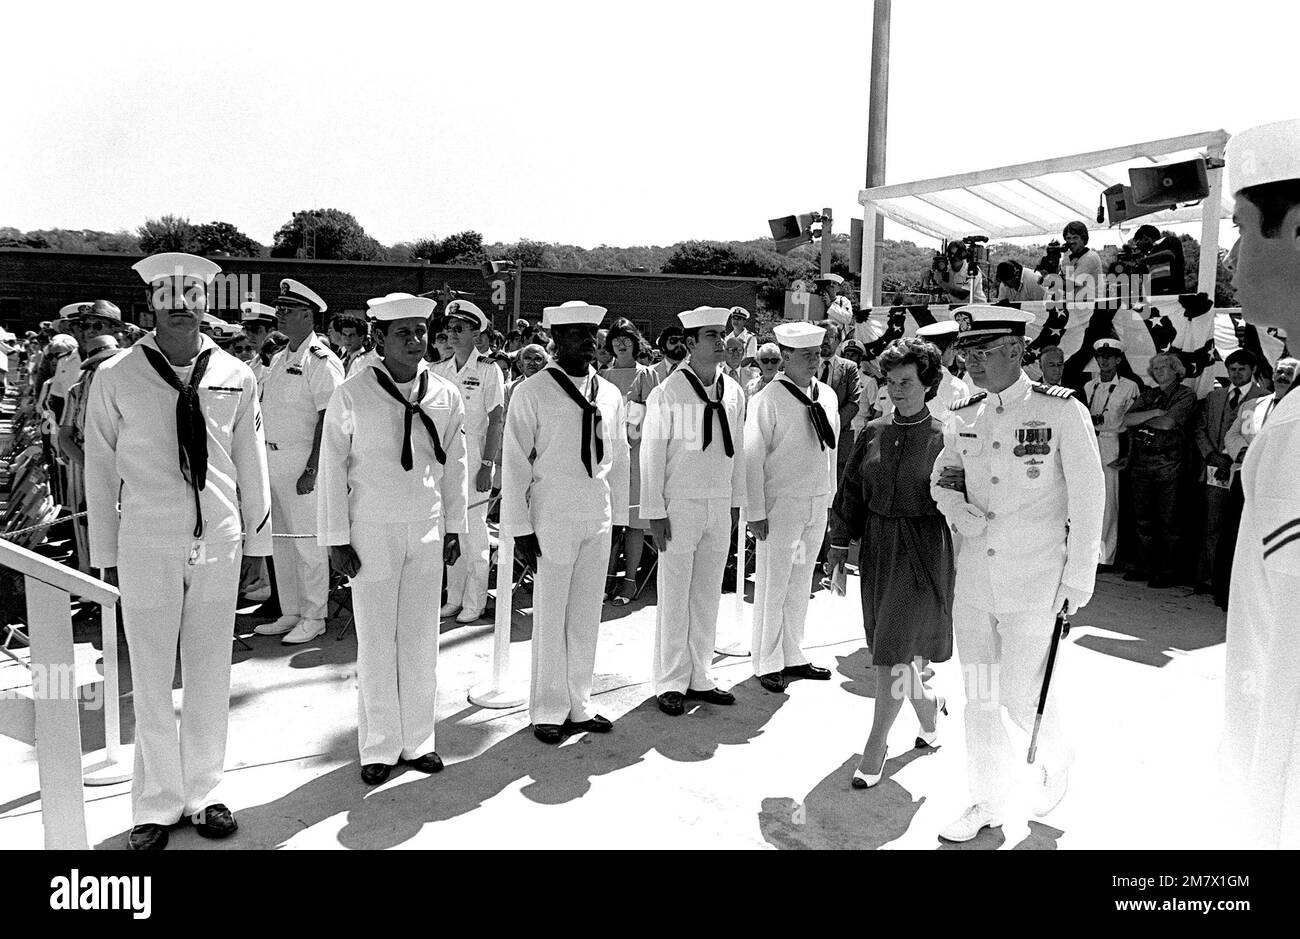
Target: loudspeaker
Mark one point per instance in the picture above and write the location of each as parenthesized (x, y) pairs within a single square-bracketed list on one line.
[(1122, 206), (1170, 184), (790, 231), (493, 269)]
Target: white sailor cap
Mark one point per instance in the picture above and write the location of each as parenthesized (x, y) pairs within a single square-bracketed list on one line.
[(158, 267), (1107, 345), (467, 311), (573, 313), (703, 316), (375, 301), (296, 292), (73, 310), (399, 307), (250, 311), (979, 321), (941, 329), (1268, 153), (218, 325), (799, 335), (828, 279)]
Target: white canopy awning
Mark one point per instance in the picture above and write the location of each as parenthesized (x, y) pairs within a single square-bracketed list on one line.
[(1038, 199)]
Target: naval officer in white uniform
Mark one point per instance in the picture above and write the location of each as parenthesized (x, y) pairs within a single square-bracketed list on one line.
[(174, 431), (791, 432), (564, 485), (1030, 519), (483, 392), (295, 390), (1109, 395), (692, 488), (392, 475), (259, 320), (1261, 729)]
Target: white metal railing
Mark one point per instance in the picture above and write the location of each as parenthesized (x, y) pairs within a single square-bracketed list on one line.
[(49, 586)]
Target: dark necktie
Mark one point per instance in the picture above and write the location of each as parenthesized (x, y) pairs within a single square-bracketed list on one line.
[(820, 423), (191, 426), (411, 410), (1234, 399), (590, 418), (709, 408), (826, 371)]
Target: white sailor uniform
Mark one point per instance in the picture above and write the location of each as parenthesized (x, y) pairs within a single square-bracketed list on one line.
[(694, 483), (179, 575), (557, 482), (1032, 468), (296, 388), (1110, 400), (1261, 732), (482, 391), (790, 473), (393, 518)]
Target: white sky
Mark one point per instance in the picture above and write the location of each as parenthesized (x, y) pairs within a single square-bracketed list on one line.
[(583, 122)]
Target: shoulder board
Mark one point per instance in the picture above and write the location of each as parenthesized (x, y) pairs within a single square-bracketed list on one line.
[(966, 402), (1054, 391), (321, 353)]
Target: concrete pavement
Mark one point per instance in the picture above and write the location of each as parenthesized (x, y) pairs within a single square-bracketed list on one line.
[(1140, 682)]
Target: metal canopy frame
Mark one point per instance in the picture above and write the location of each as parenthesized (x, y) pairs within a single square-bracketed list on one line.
[(1038, 199)]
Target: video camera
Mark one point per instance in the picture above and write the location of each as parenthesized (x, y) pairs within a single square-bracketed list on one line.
[(1129, 260)]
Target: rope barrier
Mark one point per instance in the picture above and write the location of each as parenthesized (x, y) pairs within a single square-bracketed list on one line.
[(10, 535)]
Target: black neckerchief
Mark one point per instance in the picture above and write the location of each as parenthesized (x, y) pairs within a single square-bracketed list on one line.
[(590, 417), (191, 426), (411, 410), (820, 423), (709, 408)]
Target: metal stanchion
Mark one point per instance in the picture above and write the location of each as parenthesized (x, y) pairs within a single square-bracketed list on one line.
[(739, 632), (501, 692), (114, 763)]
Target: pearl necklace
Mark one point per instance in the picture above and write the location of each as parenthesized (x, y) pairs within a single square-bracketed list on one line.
[(920, 420)]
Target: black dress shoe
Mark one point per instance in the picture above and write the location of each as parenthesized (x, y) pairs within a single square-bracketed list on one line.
[(149, 837), (772, 682), (595, 725), (672, 703), (807, 670), (428, 763), (548, 733), (712, 695), (215, 821), (372, 774)]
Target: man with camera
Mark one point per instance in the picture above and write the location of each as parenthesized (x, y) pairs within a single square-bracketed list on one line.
[(953, 277), (1162, 257), (1081, 274)]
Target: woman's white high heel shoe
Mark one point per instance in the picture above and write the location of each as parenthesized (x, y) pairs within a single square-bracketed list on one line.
[(863, 780), (929, 740)]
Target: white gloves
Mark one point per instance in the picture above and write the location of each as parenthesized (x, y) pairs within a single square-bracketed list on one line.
[(1077, 599), (969, 521)]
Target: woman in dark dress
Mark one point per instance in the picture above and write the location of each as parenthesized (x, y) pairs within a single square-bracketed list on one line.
[(906, 550)]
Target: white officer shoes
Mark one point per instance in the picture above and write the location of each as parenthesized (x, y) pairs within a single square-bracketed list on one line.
[(1052, 791), (449, 609), (972, 821), (305, 631), (469, 616), (277, 628)]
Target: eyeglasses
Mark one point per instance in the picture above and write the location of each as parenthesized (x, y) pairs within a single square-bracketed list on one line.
[(238, 349), (981, 355), (461, 328), (769, 361)]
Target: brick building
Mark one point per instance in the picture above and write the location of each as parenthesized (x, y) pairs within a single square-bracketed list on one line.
[(34, 285)]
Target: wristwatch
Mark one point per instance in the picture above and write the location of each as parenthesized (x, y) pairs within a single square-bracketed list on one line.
[(310, 470)]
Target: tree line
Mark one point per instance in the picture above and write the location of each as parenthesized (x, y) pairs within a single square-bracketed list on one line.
[(332, 234)]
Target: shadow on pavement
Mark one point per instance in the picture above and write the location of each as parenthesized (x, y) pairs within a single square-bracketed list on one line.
[(836, 816)]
